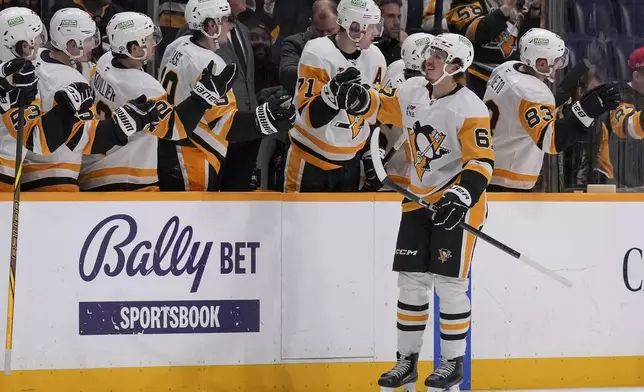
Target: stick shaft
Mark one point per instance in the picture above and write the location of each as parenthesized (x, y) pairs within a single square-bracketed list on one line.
[(14, 241)]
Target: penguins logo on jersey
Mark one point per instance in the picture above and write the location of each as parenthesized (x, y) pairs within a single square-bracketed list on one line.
[(426, 142), (355, 125), (444, 255)]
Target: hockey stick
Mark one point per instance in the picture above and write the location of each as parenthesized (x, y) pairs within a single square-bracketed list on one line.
[(384, 178), (395, 148), (14, 241)]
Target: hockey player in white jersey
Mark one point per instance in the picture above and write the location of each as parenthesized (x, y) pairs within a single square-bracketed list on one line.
[(23, 34), (195, 165), (522, 111), (448, 129), (409, 66), (337, 99), (73, 36), (118, 79)]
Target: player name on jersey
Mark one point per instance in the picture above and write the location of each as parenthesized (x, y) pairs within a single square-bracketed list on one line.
[(103, 88)]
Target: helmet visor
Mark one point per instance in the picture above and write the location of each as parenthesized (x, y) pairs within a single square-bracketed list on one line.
[(561, 62), (91, 42), (377, 29), (154, 39)]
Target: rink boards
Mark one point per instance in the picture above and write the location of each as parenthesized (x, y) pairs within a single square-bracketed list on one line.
[(146, 292)]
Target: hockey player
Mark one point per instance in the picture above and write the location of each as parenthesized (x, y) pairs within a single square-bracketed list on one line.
[(337, 99), (448, 130), (409, 66), (73, 36), (195, 165), (119, 78), (23, 34), (522, 111), (494, 27)]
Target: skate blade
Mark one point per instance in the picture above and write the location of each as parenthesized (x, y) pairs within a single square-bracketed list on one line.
[(454, 388), (411, 387)]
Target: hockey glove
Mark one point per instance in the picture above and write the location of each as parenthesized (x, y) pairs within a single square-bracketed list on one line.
[(136, 116), (371, 182), (7, 69), (330, 90), (596, 102), (452, 207), (210, 87), (267, 93), (354, 98), (276, 115), (77, 97), (25, 87)]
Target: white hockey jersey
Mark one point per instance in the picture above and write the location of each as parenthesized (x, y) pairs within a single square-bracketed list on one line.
[(345, 135), (182, 64), (133, 166), (449, 137), (522, 112), (399, 164), (58, 171)]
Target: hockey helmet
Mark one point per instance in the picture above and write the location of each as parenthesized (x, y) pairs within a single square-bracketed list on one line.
[(412, 50), (18, 24), (74, 24), (537, 44), (197, 11), (132, 27), (452, 47), (357, 16)]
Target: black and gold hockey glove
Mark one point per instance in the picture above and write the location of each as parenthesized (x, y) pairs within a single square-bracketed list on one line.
[(330, 91), (210, 87), (452, 207)]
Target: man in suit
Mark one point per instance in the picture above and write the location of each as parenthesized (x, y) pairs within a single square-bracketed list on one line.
[(241, 160)]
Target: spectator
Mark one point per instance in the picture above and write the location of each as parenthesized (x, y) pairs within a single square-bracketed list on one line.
[(392, 36), (494, 27), (239, 165), (266, 73), (323, 23)]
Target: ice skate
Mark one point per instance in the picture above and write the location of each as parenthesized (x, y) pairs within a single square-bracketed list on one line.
[(404, 374), (447, 377)]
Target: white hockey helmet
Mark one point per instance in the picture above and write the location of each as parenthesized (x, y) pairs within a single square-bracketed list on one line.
[(197, 11), (127, 27), (537, 44), (21, 24), (452, 46), (412, 50), (74, 24), (356, 16)]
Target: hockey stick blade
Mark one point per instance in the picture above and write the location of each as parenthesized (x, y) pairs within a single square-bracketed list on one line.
[(384, 178)]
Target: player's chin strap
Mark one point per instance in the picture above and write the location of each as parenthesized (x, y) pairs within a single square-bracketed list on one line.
[(215, 36), (446, 74), (386, 181)]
